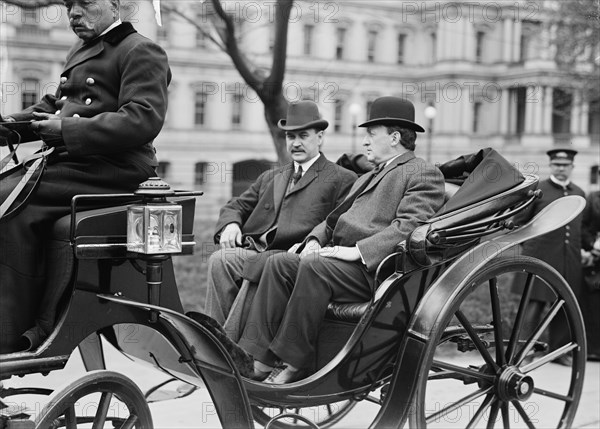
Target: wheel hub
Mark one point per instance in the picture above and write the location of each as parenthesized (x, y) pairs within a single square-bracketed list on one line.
[(514, 385)]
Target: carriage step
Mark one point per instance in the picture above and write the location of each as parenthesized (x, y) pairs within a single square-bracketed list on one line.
[(464, 344)]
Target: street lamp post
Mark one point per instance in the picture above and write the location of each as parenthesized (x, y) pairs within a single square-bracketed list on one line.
[(430, 113), (354, 112)]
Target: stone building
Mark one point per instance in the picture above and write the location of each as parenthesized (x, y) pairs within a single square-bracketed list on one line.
[(488, 70)]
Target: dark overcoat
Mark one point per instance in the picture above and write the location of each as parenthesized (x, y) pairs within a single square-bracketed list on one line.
[(112, 101), (560, 248), (267, 203)]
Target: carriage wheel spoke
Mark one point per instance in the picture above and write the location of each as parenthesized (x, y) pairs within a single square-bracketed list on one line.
[(518, 326), (493, 414), (482, 409), (553, 395), (497, 318), (549, 357), (458, 404), (451, 368), (505, 415), (539, 330), (523, 414), (102, 412), (130, 422), (476, 340), (70, 418)]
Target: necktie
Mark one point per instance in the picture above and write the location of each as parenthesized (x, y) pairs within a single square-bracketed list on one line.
[(347, 203), (297, 176)]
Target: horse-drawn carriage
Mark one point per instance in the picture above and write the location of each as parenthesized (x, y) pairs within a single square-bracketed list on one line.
[(449, 310)]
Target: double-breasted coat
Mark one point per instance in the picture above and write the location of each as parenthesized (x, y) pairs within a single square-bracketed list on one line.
[(112, 101), (560, 248)]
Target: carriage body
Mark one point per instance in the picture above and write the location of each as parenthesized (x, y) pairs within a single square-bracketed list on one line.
[(384, 351)]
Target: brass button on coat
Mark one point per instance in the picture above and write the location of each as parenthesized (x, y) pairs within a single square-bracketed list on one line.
[(88, 101), (90, 81)]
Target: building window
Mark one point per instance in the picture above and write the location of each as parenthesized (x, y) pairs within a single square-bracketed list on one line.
[(337, 119), (368, 107), (200, 173), (236, 111), (401, 47), (594, 120), (518, 98), (31, 93), (371, 45), (340, 37), (562, 103), (30, 17), (524, 48), (308, 38), (163, 169), (479, 38), (199, 108), (433, 40), (476, 116)]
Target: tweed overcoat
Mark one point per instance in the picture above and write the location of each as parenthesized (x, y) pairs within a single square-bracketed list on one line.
[(404, 194)]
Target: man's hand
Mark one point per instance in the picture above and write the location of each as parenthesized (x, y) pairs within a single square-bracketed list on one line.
[(231, 236), (341, 252), (312, 246), (48, 127)]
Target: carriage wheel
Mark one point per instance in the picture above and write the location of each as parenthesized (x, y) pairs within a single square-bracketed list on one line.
[(323, 416), (95, 398), (487, 366)]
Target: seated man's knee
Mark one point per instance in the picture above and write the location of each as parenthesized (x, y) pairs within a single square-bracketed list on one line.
[(283, 261)]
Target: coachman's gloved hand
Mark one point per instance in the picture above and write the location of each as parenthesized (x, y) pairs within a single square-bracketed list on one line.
[(48, 127)]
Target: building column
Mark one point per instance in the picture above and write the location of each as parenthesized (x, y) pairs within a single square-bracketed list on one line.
[(585, 114), (504, 111), (547, 111), (530, 110), (516, 41), (538, 109), (469, 41), (508, 36), (576, 114)]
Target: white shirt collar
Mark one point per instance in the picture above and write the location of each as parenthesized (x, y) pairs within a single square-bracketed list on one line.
[(560, 182), (113, 25), (306, 165)]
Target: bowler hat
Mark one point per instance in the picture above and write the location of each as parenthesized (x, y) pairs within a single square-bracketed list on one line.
[(301, 116), (562, 155), (393, 111)]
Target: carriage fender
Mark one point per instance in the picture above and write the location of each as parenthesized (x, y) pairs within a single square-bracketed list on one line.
[(209, 357), (436, 302)]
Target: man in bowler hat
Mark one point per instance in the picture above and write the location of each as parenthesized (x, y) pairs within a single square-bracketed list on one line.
[(561, 248), (277, 211), (340, 255)]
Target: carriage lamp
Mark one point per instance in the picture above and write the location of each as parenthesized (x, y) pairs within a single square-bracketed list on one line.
[(154, 225)]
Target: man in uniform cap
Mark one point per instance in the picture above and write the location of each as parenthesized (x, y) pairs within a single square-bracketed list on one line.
[(341, 254), (561, 248), (276, 212)]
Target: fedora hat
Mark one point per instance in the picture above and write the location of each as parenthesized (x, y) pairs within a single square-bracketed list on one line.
[(301, 116), (393, 111)]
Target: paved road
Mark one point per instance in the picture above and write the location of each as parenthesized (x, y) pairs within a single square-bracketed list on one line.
[(196, 410)]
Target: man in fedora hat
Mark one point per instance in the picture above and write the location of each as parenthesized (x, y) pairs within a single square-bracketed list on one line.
[(277, 211), (560, 248), (340, 255)]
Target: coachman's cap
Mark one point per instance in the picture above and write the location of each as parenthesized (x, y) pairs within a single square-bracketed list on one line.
[(393, 111), (566, 155), (301, 116)]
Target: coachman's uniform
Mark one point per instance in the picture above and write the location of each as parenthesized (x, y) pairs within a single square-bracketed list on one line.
[(112, 100)]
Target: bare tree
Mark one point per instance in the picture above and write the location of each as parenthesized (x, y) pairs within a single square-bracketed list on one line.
[(267, 85)]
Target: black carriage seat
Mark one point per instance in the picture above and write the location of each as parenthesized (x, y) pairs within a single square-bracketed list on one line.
[(495, 192)]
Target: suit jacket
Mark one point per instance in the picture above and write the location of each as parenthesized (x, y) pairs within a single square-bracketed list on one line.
[(112, 97), (404, 194), (267, 203), (560, 248)]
